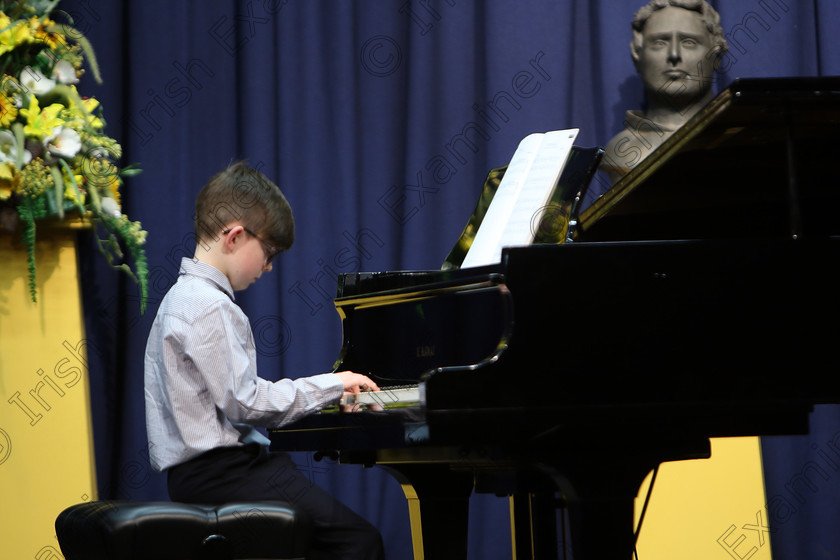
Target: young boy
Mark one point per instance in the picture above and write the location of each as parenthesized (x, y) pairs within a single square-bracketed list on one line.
[(203, 396)]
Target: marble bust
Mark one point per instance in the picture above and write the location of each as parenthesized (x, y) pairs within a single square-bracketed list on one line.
[(677, 46)]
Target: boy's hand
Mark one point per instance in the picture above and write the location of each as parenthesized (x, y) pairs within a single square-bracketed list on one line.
[(356, 382)]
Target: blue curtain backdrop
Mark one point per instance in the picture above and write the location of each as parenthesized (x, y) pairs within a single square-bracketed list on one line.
[(379, 120)]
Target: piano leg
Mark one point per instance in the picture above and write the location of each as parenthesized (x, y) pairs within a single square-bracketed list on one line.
[(600, 492), (602, 528), (534, 525), (438, 506)]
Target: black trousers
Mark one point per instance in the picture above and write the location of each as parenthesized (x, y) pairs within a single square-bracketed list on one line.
[(250, 472)]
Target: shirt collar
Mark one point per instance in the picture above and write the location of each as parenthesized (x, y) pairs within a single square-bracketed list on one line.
[(208, 272)]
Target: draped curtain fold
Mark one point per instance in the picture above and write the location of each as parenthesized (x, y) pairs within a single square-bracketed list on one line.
[(379, 121)]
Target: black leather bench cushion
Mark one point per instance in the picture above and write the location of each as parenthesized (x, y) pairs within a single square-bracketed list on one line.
[(120, 530)]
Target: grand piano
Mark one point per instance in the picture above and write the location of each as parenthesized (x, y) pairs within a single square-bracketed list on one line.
[(697, 298)]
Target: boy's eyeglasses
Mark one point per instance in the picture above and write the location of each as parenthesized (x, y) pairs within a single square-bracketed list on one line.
[(270, 250)]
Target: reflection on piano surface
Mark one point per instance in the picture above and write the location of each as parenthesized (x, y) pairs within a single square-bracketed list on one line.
[(689, 306), (386, 399)]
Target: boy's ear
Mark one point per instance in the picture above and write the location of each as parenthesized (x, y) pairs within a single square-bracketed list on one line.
[(233, 238)]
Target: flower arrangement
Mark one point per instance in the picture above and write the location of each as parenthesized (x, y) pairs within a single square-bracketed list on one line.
[(56, 162)]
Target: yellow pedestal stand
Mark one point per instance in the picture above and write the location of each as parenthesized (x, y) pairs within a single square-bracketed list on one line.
[(708, 508), (46, 441)]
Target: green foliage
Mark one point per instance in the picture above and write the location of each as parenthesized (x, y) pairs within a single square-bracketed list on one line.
[(29, 211)]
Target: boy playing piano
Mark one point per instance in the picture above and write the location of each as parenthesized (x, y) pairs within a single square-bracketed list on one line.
[(203, 395)]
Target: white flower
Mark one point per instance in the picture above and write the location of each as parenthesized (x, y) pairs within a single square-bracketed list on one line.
[(34, 81), (9, 147), (64, 72), (63, 142), (110, 207)]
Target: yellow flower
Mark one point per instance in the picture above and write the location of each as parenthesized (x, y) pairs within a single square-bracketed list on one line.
[(90, 104), (70, 193), (78, 117), (8, 110), (8, 176), (93, 121), (113, 185), (37, 29), (41, 122), (35, 178), (13, 35)]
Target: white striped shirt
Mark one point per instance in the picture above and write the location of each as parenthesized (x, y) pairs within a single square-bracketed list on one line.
[(201, 384)]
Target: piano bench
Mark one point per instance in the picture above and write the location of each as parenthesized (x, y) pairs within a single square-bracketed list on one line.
[(122, 530)]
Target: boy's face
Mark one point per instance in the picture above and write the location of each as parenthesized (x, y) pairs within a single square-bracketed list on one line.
[(248, 259)]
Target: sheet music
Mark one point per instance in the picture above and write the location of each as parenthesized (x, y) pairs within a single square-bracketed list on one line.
[(522, 196)]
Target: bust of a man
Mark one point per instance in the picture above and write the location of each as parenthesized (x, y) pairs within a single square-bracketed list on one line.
[(677, 46)]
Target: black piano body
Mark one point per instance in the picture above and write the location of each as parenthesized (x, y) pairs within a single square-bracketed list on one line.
[(690, 306)]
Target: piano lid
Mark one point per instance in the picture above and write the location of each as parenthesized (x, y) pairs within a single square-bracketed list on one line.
[(757, 161)]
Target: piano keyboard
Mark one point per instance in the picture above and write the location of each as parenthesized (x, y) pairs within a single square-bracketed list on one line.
[(387, 397)]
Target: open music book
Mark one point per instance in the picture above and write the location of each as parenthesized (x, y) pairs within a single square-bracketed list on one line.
[(516, 213)]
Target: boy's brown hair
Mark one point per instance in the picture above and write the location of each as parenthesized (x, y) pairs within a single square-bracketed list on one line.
[(241, 193)]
